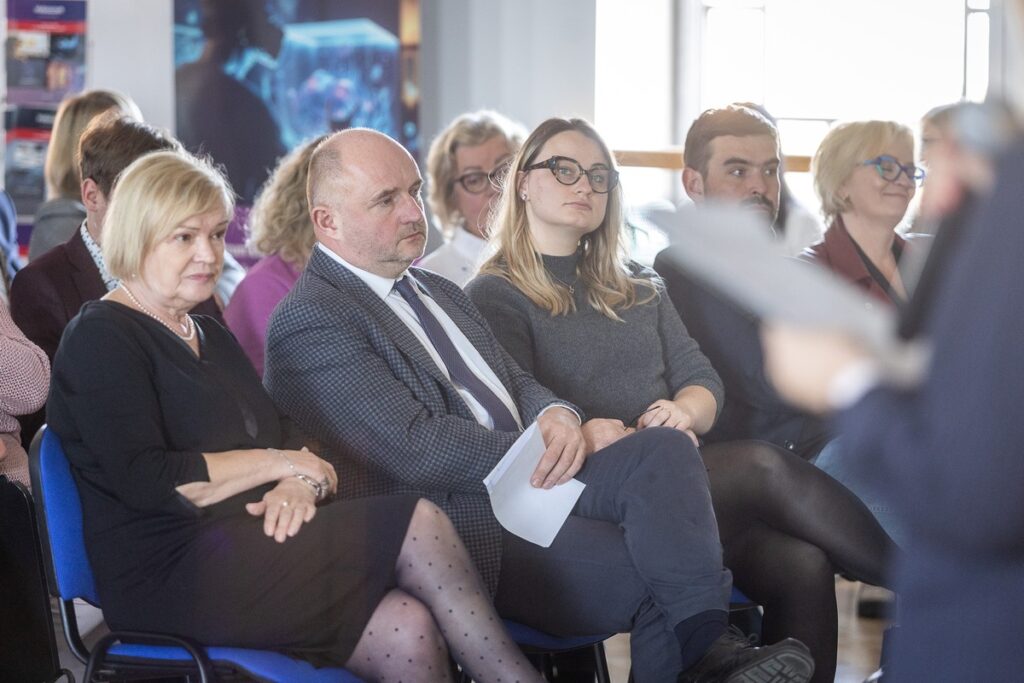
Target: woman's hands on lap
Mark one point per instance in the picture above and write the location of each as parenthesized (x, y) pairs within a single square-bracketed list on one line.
[(285, 508), (666, 413), (311, 465)]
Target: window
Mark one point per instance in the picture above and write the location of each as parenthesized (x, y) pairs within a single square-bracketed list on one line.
[(809, 62)]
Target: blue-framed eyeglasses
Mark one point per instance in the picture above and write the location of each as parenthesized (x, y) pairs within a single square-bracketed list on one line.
[(568, 171), (890, 168)]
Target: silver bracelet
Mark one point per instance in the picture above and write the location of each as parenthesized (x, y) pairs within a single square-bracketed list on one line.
[(319, 489)]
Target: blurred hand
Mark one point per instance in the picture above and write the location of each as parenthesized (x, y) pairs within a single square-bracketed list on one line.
[(285, 508), (565, 448), (601, 432), (803, 363)]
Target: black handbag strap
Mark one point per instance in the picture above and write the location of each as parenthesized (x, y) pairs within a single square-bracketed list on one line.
[(876, 274)]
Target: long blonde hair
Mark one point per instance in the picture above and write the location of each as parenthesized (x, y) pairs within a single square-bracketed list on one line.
[(602, 267)]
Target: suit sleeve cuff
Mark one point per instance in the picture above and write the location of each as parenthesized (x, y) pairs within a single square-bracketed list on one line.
[(567, 406)]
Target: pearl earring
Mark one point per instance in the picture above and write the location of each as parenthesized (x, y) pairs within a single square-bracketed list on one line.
[(523, 195)]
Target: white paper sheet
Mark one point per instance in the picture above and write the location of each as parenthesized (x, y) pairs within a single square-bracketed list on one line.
[(531, 513)]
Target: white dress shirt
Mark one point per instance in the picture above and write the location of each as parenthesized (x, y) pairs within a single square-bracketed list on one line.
[(458, 258), (384, 287)]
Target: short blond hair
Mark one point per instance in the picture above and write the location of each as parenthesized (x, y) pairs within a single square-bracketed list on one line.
[(279, 222), (466, 130), (73, 116), (153, 196), (844, 148)]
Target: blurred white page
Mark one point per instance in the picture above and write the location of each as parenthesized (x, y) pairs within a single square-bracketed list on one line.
[(531, 513), (732, 252)]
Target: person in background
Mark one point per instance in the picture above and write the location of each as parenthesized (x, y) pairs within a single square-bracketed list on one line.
[(62, 213), (795, 225), (464, 171), (865, 175), (732, 156), (24, 381), (49, 291), (280, 229), (10, 259)]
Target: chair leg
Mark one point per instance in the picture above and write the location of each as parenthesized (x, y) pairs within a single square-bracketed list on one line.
[(601, 664)]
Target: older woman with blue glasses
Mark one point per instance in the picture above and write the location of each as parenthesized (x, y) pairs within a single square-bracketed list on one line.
[(865, 176)]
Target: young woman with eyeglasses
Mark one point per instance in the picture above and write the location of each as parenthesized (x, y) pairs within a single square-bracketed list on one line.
[(598, 329), (464, 168), (865, 176)]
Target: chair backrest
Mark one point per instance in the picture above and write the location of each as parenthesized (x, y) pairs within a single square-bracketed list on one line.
[(28, 648), (59, 510)]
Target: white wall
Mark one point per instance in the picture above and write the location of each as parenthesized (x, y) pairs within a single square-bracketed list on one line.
[(130, 48), (530, 59)]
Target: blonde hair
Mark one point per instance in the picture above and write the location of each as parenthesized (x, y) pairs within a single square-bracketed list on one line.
[(467, 130), (73, 116), (279, 222), (602, 267), (152, 197), (844, 148)]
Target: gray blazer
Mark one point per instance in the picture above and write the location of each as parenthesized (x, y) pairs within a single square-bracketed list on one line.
[(356, 379)]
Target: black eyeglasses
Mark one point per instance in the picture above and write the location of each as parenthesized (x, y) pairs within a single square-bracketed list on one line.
[(476, 182), (890, 168), (569, 171)]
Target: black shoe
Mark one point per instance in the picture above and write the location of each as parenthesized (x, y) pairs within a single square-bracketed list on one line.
[(732, 659)]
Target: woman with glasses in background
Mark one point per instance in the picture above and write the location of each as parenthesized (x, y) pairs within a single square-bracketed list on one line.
[(865, 176), (599, 330), (464, 166)]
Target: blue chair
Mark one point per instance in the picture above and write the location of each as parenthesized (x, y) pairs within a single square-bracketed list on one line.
[(544, 646), (129, 654)]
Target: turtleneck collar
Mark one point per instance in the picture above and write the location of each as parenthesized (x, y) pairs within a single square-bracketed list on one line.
[(562, 267)]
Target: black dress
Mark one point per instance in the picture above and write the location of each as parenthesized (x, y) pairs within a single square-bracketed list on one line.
[(135, 409)]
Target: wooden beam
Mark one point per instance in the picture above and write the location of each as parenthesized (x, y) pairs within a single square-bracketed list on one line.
[(672, 159)]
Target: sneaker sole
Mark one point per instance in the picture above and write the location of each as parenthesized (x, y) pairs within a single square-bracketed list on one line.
[(787, 664)]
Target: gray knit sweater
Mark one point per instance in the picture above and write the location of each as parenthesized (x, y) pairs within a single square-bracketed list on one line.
[(610, 369)]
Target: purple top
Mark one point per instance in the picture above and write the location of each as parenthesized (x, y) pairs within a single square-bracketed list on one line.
[(254, 300)]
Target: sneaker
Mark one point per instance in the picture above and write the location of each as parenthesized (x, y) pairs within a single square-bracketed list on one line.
[(733, 659)]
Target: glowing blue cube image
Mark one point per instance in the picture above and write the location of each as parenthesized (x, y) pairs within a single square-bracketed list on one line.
[(333, 75)]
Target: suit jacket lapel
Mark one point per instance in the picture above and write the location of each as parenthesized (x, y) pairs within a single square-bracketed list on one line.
[(394, 328)]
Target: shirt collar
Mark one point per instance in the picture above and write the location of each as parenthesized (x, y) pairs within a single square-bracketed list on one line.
[(97, 257), (380, 285)]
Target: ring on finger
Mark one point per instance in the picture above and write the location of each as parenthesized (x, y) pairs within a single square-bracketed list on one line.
[(284, 503)]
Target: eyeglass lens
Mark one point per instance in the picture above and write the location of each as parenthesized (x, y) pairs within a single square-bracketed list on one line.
[(568, 172)]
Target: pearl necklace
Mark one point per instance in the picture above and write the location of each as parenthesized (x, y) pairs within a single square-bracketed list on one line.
[(188, 327)]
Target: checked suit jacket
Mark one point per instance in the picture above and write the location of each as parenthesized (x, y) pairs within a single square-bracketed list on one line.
[(355, 378)]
